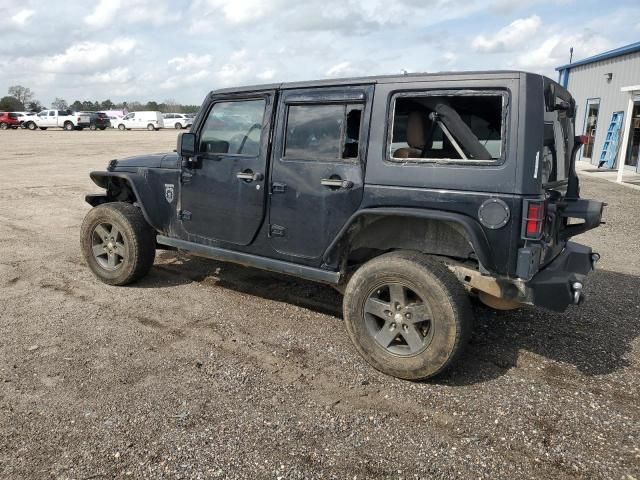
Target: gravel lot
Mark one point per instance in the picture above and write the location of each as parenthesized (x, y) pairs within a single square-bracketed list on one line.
[(206, 370)]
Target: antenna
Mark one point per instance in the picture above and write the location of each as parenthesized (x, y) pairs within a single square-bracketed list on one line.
[(570, 54)]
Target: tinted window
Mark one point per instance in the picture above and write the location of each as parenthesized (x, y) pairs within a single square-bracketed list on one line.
[(456, 127), (52, 113), (233, 128), (327, 132)]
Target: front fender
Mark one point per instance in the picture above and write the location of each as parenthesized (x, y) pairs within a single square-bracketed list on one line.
[(472, 228), (143, 195)]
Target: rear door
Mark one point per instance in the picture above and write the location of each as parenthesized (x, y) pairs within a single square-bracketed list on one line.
[(223, 195), (318, 168)]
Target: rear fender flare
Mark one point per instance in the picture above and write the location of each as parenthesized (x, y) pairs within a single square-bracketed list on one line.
[(471, 227)]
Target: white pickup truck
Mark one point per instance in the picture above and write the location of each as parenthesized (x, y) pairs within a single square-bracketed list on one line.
[(58, 119)]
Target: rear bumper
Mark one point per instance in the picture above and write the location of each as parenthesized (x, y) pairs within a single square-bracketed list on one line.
[(560, 283)]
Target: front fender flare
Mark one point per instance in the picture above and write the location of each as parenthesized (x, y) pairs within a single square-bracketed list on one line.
[(139, 186), (471, 227)]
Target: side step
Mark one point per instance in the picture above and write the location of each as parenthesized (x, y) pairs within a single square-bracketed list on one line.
[(271, 264)]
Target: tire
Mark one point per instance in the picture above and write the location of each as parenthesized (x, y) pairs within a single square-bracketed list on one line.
[(92, 127), (427, 291), (103, 128), (31, 126), (133, 243), (3, 126), (43, 128), (178, 126), (68, 126), (150, 127), (121, 127)]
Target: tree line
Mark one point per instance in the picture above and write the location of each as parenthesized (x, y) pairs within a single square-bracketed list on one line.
[(21, 98)]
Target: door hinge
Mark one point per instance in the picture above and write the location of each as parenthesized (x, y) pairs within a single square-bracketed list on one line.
[(184, 215), (277, 230), (278, 187), (185, 177)]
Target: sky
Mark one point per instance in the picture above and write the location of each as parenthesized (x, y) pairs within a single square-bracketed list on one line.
[(141, 50)]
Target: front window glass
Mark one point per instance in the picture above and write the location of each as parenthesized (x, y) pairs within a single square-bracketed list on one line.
[(233, 128), (462, 127)]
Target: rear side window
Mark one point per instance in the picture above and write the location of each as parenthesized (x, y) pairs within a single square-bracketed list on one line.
[(556, 150), (323, 132), (461, 126)]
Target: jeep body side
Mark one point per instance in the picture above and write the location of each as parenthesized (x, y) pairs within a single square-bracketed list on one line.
[(468, 175)]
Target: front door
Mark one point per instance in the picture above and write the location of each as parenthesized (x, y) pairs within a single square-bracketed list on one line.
[(318, 168), (223, 195)]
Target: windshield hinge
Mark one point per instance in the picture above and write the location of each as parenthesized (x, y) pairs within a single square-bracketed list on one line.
[(184, 215)]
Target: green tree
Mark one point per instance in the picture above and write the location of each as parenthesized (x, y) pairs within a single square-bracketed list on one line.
[(59, 104), (23, 94), (10, 104), (107, 105), (34, 106), (152, 105), (76, 106)]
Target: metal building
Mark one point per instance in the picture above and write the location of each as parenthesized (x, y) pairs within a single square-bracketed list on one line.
[(606, 88)]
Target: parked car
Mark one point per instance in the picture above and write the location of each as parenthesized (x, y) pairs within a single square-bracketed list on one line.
[(406, 193), (23, 117), (98, 120), (149, 120), (59, 119), (176, 120), (9, 120)]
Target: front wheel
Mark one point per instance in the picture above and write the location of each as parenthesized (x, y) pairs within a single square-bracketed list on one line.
[(151, 128), (407, 315), (121, 127), (178, 126), (117, 243)]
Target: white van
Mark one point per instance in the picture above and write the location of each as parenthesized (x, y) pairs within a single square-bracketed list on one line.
[(148, 120)]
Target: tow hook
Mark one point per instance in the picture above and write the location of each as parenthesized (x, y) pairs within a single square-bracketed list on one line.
[(594, 259), (578, 295)]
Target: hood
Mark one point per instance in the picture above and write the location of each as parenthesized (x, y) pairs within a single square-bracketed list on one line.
[(154, 160)]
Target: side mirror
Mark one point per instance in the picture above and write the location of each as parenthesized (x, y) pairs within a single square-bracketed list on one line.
[(186, 144)]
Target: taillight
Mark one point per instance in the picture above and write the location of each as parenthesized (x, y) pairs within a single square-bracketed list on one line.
[(534, 219), (78, 119)]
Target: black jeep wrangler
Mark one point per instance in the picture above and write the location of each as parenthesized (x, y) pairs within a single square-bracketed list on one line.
[(406, 192)]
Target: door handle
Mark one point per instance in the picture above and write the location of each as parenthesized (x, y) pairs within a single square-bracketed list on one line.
[(249, 176), (336, 183)]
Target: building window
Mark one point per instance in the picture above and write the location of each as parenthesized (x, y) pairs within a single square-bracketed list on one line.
[(591, 123)]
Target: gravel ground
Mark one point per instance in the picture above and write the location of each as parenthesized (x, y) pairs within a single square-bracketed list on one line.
[(206, 370)]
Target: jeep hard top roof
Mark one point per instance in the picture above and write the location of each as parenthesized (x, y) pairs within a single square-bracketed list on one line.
[(402, 78)]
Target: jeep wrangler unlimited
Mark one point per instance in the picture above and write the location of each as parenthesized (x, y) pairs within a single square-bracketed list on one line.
[(405, 192)]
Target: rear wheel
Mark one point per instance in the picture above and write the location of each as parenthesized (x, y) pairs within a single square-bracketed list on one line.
[(31, 126), (68, 126), (407, 315), (150, 127), (4, 126), (121, 127), (117, 243)]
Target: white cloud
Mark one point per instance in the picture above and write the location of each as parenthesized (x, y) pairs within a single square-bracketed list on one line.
[(87, 57), (114, 76), (22, 16), (339, 69), (189, 62), (267, 74), (110, 12), (508, 38)]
